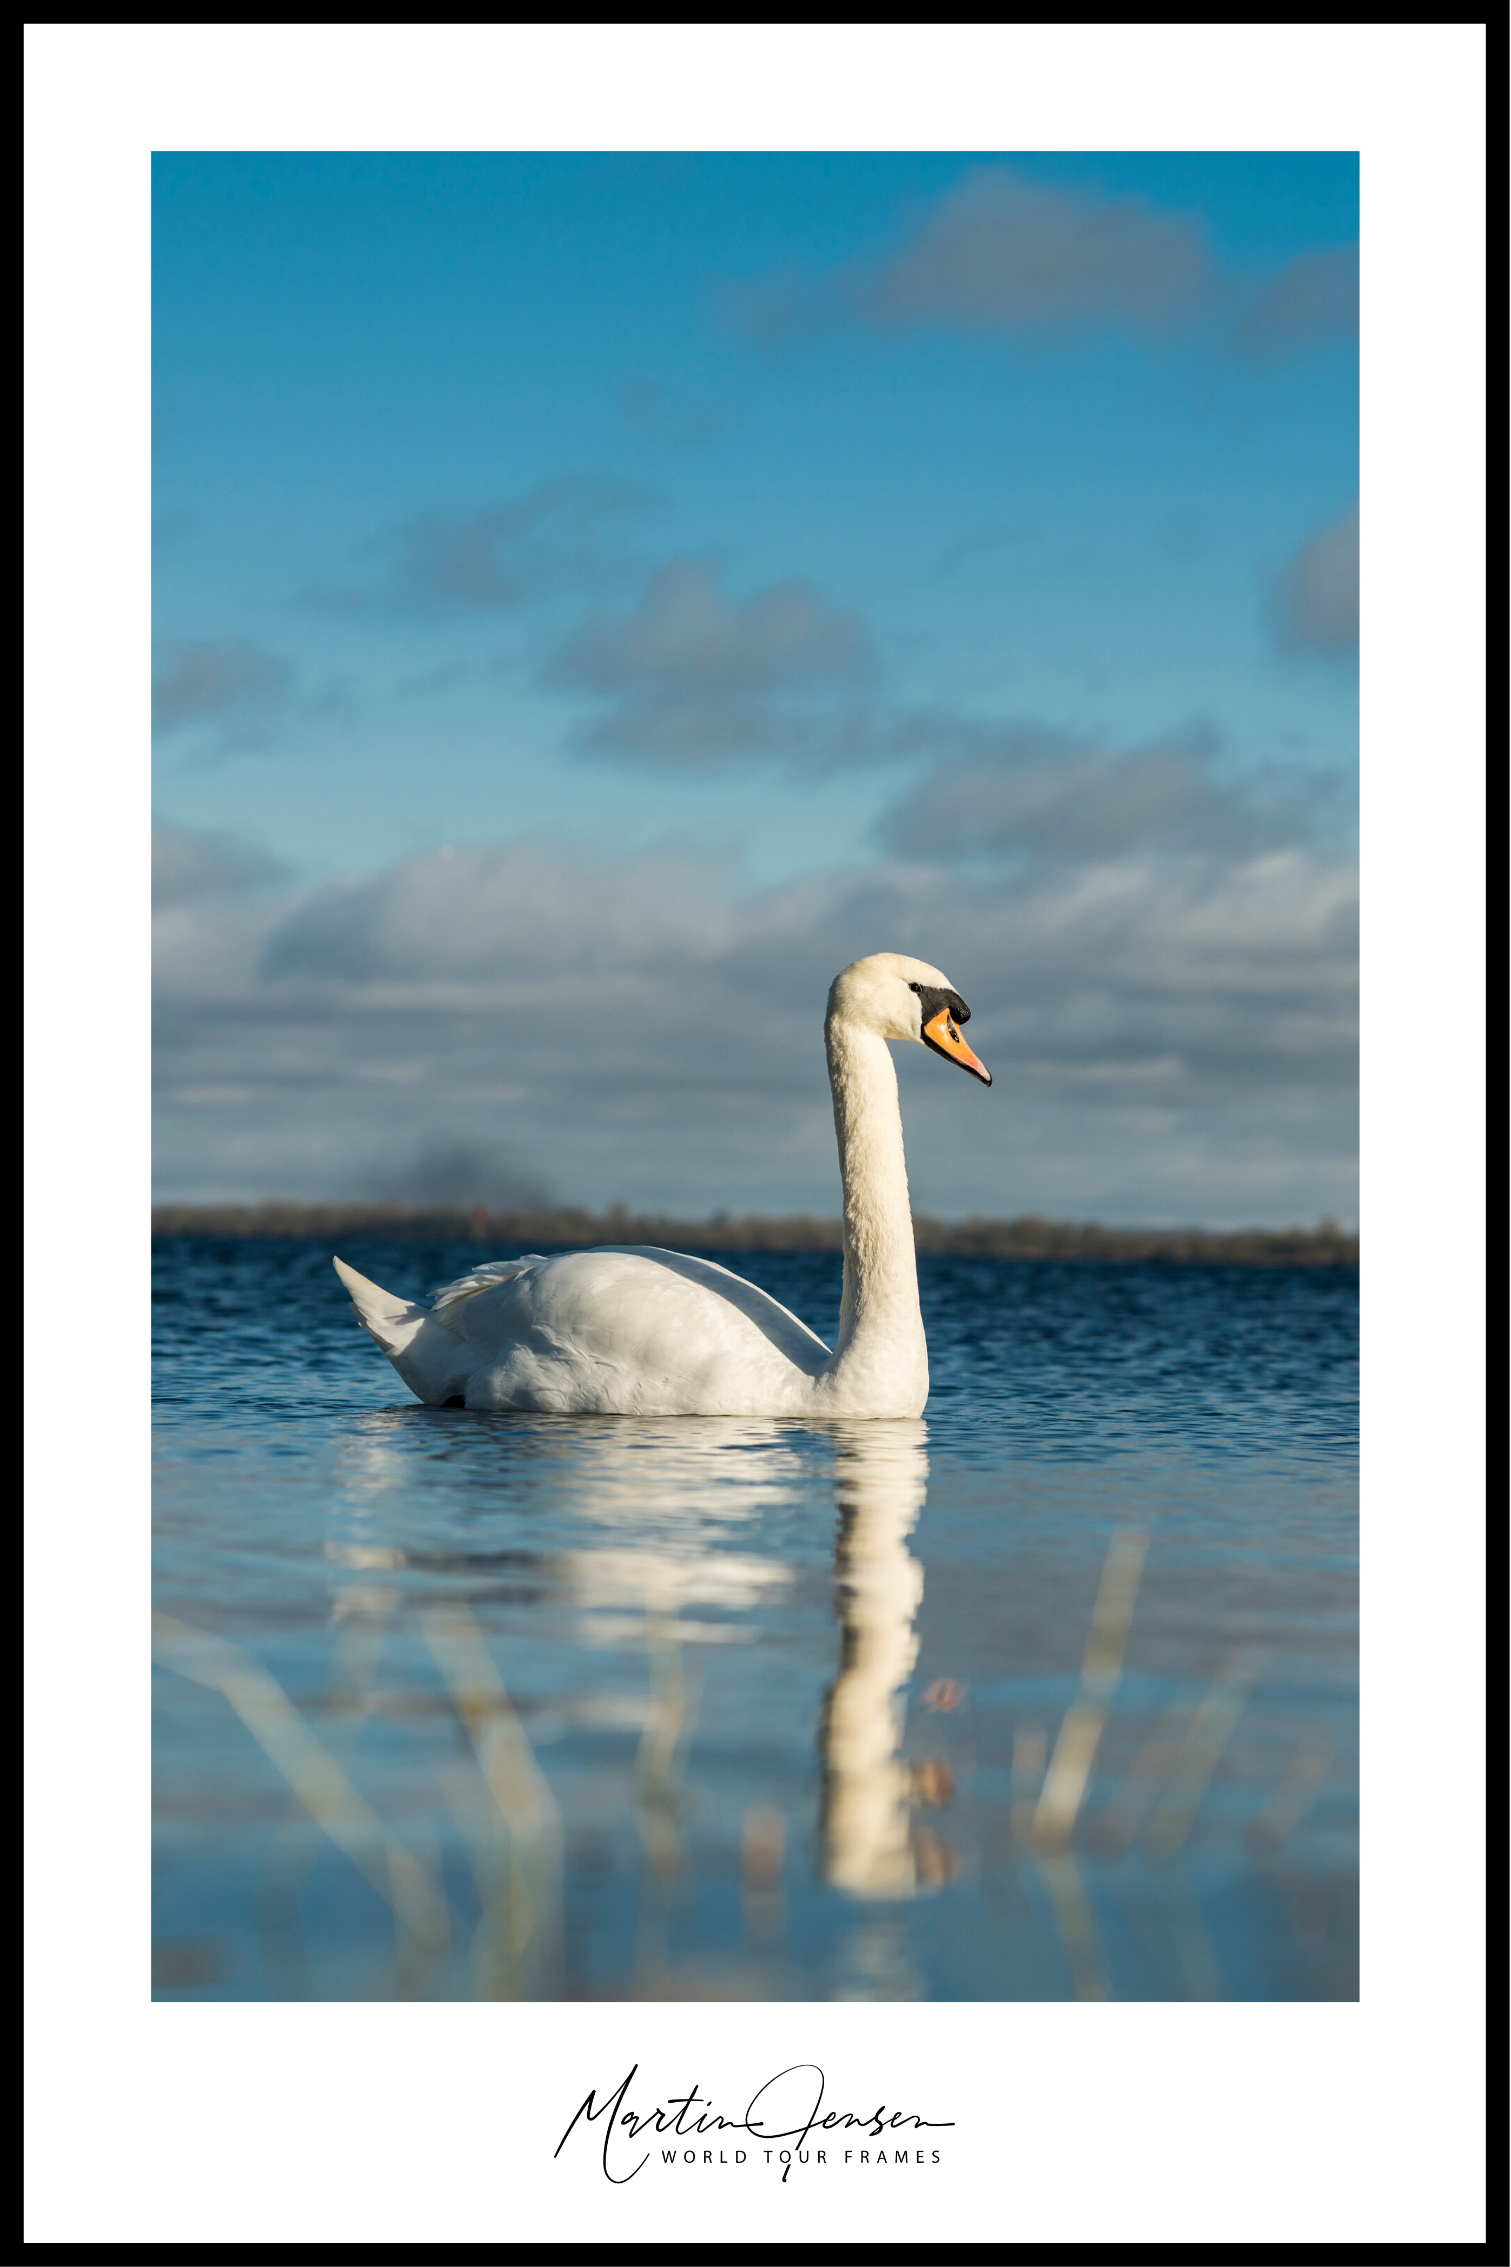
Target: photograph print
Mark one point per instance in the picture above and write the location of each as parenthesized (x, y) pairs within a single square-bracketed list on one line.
[(755, 1167)]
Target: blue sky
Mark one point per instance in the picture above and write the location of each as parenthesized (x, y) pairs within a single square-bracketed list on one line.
[(641, 584)]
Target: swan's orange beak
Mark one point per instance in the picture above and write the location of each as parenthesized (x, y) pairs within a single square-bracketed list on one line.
[(942, 1033)]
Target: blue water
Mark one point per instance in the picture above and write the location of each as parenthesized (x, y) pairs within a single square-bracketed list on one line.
[(1051, 1695)]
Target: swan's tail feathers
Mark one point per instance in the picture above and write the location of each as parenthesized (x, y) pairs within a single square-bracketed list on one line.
[(391, 1320)]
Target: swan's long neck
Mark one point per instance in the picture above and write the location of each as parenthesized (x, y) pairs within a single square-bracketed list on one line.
[(881, 1345)]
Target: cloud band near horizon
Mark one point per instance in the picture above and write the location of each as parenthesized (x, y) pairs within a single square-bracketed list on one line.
[(1171, 1030)]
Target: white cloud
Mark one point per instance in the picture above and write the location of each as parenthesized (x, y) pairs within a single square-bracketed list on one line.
[(1003, 252), (1310, 300), (1316, 597), (1172, 1034), (228, 682), (693, 677), (557, 537), (1038, 795)]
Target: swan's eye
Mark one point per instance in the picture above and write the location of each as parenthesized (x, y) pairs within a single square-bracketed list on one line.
[(918, 988)]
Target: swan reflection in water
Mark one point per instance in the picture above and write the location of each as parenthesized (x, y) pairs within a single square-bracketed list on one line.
[(867, 1838), (868, 1844), (675, 1500)]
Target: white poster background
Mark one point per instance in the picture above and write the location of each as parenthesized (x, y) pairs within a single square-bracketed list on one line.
[(1312, 2124)]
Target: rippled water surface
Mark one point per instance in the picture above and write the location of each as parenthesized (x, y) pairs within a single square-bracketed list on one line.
[(1050, 1695)]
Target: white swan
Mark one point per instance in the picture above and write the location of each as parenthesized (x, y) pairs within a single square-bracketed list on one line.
[(631, 1331)]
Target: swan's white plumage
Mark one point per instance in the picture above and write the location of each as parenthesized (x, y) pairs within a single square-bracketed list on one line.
[(622, 1329), (632, 1331)]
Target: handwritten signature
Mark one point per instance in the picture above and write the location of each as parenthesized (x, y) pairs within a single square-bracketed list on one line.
[(796, 2094)]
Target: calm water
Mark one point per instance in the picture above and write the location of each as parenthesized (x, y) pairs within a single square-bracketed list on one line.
[(1051, 1695)]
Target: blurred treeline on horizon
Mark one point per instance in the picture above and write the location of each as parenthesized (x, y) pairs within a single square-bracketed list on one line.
[(1326, 1245)]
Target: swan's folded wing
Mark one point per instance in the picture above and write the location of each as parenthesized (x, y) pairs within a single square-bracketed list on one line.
[(777, 1323), (790, 1337)]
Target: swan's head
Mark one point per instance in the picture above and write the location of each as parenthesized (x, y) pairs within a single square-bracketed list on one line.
[(901, 998)]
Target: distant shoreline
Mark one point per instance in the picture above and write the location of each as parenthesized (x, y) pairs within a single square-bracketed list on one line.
[(1326, 1246)]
